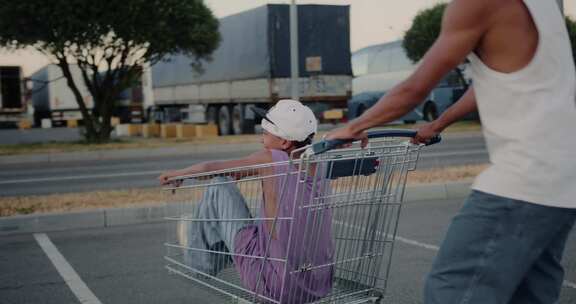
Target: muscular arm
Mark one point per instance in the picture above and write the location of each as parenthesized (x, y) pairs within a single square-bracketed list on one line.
[(464, 106), (260, 157), (464, 24)]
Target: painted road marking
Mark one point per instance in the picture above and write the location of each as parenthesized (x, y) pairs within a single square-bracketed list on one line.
[(436, 248), (72, 279)]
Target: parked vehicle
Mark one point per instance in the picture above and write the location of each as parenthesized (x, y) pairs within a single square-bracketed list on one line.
[(12, 101), (379, 68), (53, 99), (251, 68)]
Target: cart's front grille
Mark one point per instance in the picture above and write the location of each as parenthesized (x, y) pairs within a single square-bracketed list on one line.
[(358, 192)]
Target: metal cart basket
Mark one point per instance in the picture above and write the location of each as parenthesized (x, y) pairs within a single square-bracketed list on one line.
[(327, 237)]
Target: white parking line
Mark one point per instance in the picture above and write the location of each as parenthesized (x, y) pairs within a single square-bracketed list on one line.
[(72, 279), (569, 284), (436, 248), (404, 240)]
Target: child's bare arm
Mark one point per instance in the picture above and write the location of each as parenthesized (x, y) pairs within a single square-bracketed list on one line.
[(257, 158)]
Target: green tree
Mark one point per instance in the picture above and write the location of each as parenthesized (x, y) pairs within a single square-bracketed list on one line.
[(110, 41), (423, 33), (426, 27)]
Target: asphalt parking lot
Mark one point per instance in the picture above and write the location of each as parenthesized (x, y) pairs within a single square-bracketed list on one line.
[(125, 265)]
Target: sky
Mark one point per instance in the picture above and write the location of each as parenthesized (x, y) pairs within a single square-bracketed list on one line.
[(371, 21)]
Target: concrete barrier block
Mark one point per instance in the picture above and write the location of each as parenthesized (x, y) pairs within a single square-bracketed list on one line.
[(209, 130), (150, 130), (129, 130), (114, 121), (185, 131), (24, 124), (168, 130), (46, 123), (134, 129), (121, 130), (72, 123), (334, 114)]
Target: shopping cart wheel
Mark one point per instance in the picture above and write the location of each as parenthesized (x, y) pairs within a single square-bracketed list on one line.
[(378, 297)]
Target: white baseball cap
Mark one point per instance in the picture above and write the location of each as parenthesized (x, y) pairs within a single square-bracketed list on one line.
[(289, 119)]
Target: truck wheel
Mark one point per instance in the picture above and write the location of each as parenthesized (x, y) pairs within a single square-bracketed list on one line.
[(224, 121), (430, 112), (360, 110), (212, 115), (240, 123), (238, 119)]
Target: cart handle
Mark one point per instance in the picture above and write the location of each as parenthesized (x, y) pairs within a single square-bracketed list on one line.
[(326, 145)]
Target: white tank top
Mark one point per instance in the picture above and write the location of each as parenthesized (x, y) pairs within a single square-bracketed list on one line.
[(529, 118)]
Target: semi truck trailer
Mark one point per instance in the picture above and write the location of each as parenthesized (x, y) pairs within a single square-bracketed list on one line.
[(12, 100), (54, 100), (251, 68)]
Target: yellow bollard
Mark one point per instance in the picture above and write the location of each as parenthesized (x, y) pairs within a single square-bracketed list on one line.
[(114, 121), (150, 130), (209, 130), (24, 124), (72, 123), (134, 129), (129, 130), (168, 130), (185, 131)]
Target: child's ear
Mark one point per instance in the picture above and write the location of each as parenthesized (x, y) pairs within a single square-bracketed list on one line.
[(286, 144)]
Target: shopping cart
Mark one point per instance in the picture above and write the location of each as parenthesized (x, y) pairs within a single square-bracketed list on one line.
[(336, 231)]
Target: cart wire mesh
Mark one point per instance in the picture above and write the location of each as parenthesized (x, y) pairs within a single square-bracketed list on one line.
[(337, 232)]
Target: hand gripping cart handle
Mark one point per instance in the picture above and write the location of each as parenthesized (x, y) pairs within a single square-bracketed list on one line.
[(327, 145), (332, 234)]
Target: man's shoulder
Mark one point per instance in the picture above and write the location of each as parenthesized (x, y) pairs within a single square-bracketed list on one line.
[(484, 3), (482, 8), (473, 14)]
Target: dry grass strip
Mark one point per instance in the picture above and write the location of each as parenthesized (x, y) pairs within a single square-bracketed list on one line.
[(154, 196), (78, 201), (447, 174)]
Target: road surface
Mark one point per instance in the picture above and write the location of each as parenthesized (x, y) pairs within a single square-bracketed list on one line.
[(141, 171), (124, 264)]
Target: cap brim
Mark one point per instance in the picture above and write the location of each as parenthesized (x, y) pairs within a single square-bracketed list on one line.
[(262, 114), (259, 112)]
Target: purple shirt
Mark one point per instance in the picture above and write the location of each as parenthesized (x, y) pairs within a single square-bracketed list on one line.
[(311, 244)]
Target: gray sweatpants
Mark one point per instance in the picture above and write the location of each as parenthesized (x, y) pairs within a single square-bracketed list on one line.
[(221, 213)]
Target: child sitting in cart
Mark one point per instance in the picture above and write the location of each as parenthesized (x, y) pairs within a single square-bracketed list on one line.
[(256, 247)]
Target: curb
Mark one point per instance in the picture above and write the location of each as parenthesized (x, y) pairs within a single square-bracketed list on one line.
[(104, 218), (107, 218), (440, 191)]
